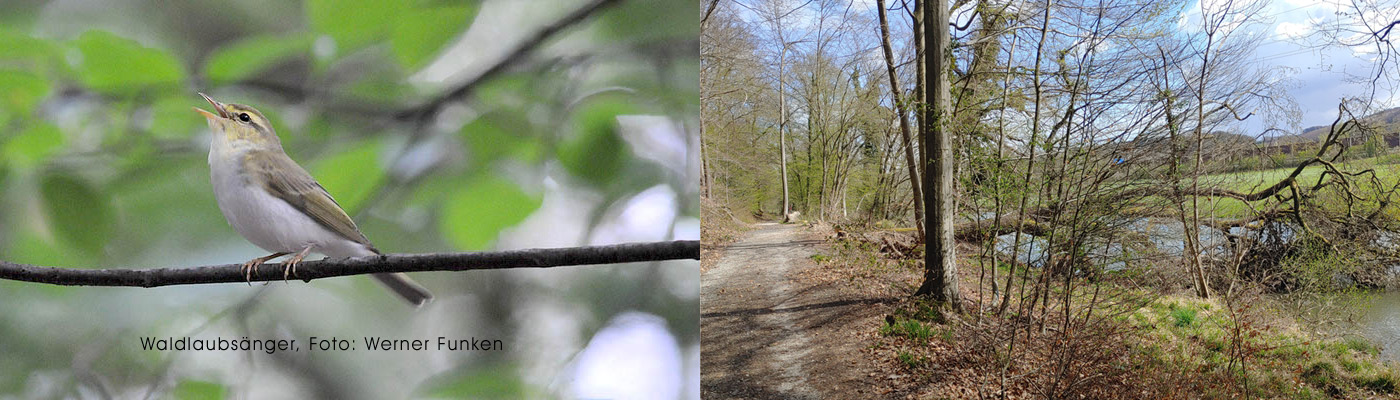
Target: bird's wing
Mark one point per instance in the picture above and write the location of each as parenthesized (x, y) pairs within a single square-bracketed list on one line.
[(284, 179)]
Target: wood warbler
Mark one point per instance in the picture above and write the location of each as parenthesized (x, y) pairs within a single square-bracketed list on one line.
[(276, 204)]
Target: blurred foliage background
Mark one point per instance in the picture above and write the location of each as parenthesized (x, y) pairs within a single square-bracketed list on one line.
[(428, 125)]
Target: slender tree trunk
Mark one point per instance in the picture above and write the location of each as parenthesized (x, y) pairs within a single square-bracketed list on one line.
[(782, 127), (1193, 232), (1190, 253), (705, 179), (899, 104), (821, 185), (997, 187), (920, 77), (807, 179), (1031, 145), (940, 258)]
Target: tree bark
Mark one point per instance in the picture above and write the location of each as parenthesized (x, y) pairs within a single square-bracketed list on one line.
[(940, 257)]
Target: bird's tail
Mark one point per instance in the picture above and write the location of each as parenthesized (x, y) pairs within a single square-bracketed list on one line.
[(406, 288)]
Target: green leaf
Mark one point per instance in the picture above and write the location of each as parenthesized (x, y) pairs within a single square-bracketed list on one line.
[(351, 176), (499, 134), (352, 23), (33, 146), (79, 213), (420, 33), (20, 91), (15, 46), (169, 194), (172, 118), (595, 153), (250, 56), (384, 89), (199, 390), (494, 383), (510, 90), (28, 247), (477, 212), (637, 22), (116, 65)]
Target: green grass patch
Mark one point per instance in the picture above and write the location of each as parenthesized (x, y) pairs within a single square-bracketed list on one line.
[(1183, 317), (1382, 383), (1198, 336), (909, 328), (911, 360), (1360, 345)]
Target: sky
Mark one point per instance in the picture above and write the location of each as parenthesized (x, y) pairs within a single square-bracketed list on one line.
[(1323, 76), (1320, 76)]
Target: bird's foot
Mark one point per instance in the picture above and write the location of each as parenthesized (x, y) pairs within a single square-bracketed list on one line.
[(289, 268), (251, 265)]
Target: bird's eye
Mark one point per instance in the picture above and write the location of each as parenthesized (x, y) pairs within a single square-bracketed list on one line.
[(244, 117)]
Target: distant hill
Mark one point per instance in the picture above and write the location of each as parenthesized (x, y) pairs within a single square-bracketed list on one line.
[(1388, 121), (1225, 142), (1284, 139)]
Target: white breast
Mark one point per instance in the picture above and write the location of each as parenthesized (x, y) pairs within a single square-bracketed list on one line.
[(268, 221)]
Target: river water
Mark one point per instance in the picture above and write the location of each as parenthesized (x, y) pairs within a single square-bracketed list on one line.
[(1381, 324)]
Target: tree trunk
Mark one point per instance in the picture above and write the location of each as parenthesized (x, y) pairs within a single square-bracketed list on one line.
[(705, 180), (940, 257), (920, 76), (903, 121), (1193, 231), (782, 128)]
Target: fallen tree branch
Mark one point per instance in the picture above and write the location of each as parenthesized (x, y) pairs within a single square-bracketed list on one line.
[(232, 273), (977, 231)]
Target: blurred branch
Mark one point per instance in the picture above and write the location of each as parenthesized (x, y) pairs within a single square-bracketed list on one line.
[(232, 273), (708, 10), (521, 50)]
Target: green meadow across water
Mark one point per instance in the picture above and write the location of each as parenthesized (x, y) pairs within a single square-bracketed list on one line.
[(1386, 168)]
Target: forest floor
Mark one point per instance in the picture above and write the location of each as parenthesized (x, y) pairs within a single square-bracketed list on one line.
[(804, 312), (777, 323)]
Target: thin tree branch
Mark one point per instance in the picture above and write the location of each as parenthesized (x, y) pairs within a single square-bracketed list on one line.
[(232, 273), (704, 20), (520, 51)]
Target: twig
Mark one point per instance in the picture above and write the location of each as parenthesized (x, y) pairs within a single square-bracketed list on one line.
[(520, 51), (231, 273)]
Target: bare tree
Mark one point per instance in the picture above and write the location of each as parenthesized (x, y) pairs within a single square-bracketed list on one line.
[(899, 104), (774, 12)]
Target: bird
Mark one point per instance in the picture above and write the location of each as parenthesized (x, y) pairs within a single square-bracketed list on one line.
[(275, 204)]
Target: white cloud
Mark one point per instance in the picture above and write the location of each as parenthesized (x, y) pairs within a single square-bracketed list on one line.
[(1292, 30)]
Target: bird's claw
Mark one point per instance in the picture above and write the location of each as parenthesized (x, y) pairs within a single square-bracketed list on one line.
[(289, 268), (248, 270), (252, 265)]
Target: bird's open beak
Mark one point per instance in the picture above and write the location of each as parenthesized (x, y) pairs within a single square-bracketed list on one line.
[(217, 107)]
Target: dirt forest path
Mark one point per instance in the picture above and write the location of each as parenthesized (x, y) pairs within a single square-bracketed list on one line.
[(765, 334)]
